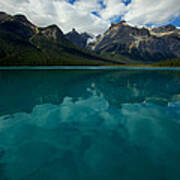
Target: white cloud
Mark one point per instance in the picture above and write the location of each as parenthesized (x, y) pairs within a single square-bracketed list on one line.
[(60, 12), (87, 6), (113, 8), (79, 14), (152, 11), (71, 16)]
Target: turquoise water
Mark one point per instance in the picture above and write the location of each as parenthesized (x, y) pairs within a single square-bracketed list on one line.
[(89, 68), (90, 125)]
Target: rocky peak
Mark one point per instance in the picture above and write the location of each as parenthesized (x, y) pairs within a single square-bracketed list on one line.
[(74, 31), (52, 32), (123, 28), (138, 43), (79, 39), (21, 18), (164, 29), (123, 22), (86, 36), (2, 13), (17, 24), (4, 16)]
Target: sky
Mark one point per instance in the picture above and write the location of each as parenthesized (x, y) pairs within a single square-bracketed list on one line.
[(95, 16)]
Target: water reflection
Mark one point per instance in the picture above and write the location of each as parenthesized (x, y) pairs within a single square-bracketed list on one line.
[(22, 90), (74, 125)]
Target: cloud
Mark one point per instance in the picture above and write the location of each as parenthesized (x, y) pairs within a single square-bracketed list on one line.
[(66, 15), (93, 16), (113, 8), (152, 11), (71, 16)]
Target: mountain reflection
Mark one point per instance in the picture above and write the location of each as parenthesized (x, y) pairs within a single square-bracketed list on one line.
[(74, 125), (22, 90)]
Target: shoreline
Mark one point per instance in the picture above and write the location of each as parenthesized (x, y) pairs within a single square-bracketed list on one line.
[(113, 67)]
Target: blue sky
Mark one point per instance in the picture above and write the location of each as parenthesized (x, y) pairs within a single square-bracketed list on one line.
[(95, 16), (176, 21), (103, 6), (71, 1)]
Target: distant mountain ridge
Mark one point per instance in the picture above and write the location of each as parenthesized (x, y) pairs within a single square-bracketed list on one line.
[(23, 43), (145, 44), (79, 39)]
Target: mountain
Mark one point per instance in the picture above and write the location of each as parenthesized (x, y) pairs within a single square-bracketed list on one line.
[(22, 43), (78, 39), (145, 44), (164, 29)]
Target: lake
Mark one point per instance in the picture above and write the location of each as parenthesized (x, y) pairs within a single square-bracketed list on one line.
[(113, 124)]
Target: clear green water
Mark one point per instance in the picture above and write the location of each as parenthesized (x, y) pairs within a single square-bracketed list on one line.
[(89, 125)]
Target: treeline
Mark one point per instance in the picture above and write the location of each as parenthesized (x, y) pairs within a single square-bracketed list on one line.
[(169, 63)]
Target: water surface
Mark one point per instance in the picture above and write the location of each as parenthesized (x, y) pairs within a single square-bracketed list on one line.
[(90, 125)]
